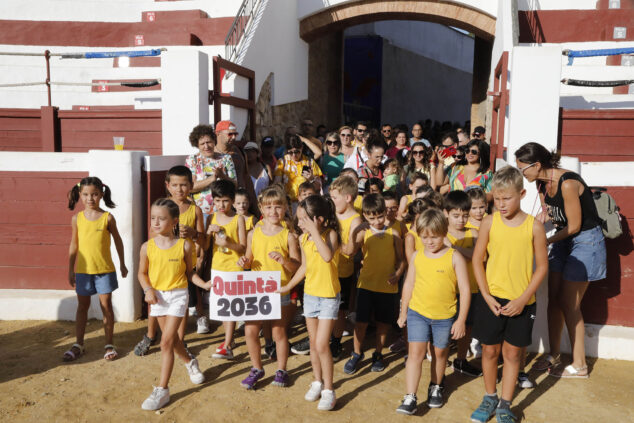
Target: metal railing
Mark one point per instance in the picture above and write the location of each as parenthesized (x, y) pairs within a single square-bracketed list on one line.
[(239, 26)]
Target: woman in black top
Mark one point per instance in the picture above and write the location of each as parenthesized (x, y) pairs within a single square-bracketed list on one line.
[(577, 255)]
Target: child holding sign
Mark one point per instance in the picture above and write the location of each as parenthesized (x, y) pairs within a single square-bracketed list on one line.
[(320, 241), (271, 246), (165, 265), (230, 241)]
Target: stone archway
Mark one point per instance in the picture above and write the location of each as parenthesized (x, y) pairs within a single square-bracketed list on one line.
[(323, 31)]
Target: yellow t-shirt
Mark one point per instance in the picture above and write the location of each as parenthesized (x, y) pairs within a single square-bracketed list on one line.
[(291, 173), (93, 239), (321, 278), (262, 245), (418, 243), (358, 202), (167, 269), (189, 219), (510, 264), (346, 262), (227, 261), (467, 242), (379, 261), (249, 223), (435, 287)]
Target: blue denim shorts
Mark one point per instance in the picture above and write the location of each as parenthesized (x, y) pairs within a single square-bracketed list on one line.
[(423, 329), (321, 307), (87, 285), (581, 257)]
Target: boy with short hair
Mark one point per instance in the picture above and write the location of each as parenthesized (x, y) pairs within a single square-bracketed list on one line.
[(346, 171), (457, 205), (505, 310), (230, 242), (343, 191), (377, 287), (305, 189)]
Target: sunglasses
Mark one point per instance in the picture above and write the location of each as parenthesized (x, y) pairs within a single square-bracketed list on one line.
[(418, 152), (332, 142), (473, 152), (293, 152), (345, 135), (361, 131), (386, 131), (523, 169)]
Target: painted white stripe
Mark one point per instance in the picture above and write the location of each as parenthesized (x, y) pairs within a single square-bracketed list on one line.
[(43, 162), (608, 174), (159, 163)]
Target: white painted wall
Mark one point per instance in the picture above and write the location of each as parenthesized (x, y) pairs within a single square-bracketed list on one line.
[(556, 4), (121, 170), (107, 10)]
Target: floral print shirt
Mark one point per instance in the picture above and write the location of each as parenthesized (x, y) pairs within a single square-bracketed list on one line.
[(203, 167)]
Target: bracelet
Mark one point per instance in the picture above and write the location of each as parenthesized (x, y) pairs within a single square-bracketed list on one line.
[(145, 290)]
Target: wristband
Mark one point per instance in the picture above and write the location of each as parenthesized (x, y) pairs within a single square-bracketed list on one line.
[(145, 290)]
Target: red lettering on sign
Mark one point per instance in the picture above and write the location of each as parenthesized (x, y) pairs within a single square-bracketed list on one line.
[(138, 40), (243, 287)]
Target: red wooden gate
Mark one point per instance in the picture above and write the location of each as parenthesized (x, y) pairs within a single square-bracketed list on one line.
[(500, 95)]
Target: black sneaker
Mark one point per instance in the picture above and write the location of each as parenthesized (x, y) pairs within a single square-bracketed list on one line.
[(408, 406), (464, 367), (335, 349), (377, 362), (351, 365), (302, 347), (270, 351), (435, 393)]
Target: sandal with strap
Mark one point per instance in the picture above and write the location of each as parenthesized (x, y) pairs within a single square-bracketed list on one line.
[(546, 362), (570, 372), (74, 353), (112, 354)]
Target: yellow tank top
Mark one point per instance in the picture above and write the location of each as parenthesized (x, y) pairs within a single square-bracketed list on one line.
[(418, 243), (227, 262), (167, 269), (189, 219), (510, 264), (346, 262), (379, 261), (397, 225), (249, 223), (435, 287), (262, 245), (321, 278), (410, 198), (468, 243), (358, 202), (93, 254), (471, 226)]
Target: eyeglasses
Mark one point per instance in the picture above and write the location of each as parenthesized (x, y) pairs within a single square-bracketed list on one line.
[(523, 169), (332, 142), (294, 152), (473, 152), (418, 152), (361, 131), (345, 135)]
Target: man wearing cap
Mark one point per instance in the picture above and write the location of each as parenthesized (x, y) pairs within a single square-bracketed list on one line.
[(479, 133), (226, 133), (268, 151)]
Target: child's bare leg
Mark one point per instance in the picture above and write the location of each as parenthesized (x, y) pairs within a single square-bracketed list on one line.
[(490, 354), (311, 326), (415, 354), (252, 337), (267, 330), (382, 330), (522, 359), (510, 369), (229, 329), (340, 324), (183, 326), (438, 364), (81, 317), (281, 338), (105, 300), (152, 326), (170, 343), (324, 329), (359, 335), (463, 344)]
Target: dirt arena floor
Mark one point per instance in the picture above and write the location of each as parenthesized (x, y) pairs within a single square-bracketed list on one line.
[(36, 386)]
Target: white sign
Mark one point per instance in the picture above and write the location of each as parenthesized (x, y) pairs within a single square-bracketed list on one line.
[(244, 296)]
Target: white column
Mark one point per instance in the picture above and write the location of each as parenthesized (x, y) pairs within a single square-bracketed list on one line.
[(185, 92), (121, 171)]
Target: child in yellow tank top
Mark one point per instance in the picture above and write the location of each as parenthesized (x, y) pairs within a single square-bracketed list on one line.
[(457, 205), (515, 244), (320, 242), (271, 247), (343, 192), (242, 206), (377, 294), (228, 231), (165, 266), (478, 209), (412, 239), (428, 306), (90, 267)]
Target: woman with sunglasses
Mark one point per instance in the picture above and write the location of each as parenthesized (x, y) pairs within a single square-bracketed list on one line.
[(421, 160), (347, 147), (577, 255), (296, 168), (474, 173), (332, 160)]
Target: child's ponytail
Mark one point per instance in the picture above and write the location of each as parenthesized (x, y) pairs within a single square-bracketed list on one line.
[(73, 197), (107, 197)]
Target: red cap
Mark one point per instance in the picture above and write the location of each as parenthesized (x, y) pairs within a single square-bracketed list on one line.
[(226, 125)]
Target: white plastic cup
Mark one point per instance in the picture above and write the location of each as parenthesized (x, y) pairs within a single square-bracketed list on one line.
[(118, 142)]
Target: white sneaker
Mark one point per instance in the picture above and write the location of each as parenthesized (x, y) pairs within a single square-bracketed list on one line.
[(195, 375), (192, 311), (203, 324), (346, 333), (157, 399), (476, 348), (314, 392), (327, 401)]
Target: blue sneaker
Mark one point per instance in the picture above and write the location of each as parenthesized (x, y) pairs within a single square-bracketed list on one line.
[(252, 379), (485, 410), (351, 365), (504, 415)]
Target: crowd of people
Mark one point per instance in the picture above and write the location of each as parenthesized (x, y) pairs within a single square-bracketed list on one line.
[(414, 236)]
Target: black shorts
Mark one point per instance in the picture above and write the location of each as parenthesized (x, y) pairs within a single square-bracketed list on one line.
[(490, 329), (469, 321), (382, 304), (346, 287)]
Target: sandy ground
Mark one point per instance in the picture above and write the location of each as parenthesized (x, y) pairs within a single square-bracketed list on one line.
[(36, 386)]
